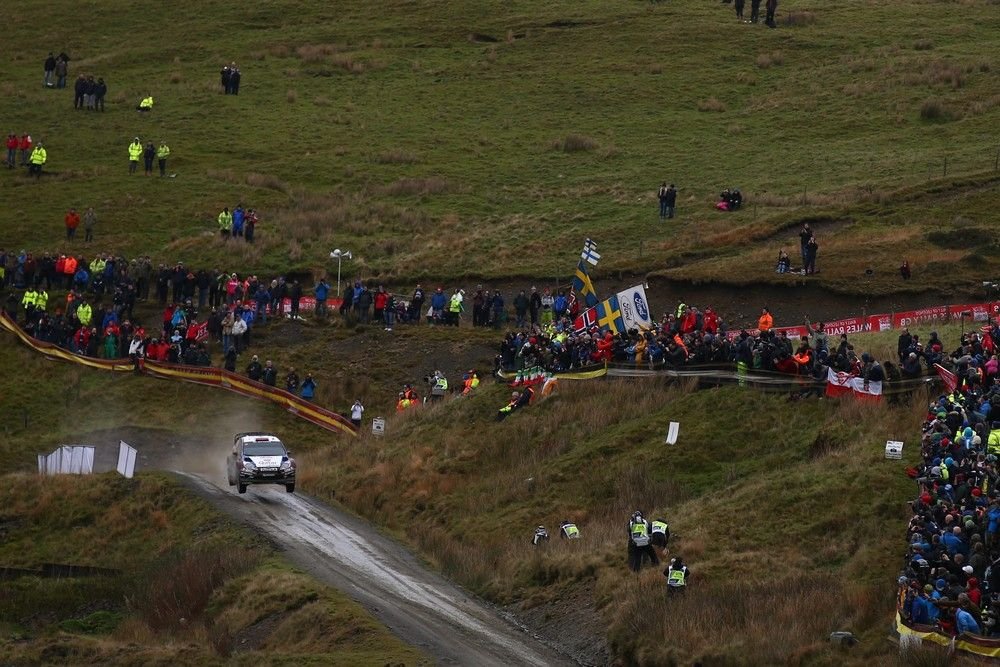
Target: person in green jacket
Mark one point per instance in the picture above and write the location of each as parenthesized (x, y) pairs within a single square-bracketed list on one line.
[(162, 153), (110, 346), (225, 223), (37, 160), (134, 153)]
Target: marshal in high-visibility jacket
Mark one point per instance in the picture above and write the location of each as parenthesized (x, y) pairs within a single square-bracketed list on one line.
[(85, 314), (135, 150), (470, 383), (569, 531), (146, 104)]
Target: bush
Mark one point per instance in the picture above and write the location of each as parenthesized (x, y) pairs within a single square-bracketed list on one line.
[(711, 104), (179, 590), (574, 143), (934, 109)]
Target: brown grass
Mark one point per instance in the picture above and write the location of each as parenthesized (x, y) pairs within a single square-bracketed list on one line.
[(766, 60), (176, 77), (397, 156), (312, 53), (923, 45), (429, 185), (799, 17), (292, 96), (180, 590), (574, 143), (711, 104), (933, 109)]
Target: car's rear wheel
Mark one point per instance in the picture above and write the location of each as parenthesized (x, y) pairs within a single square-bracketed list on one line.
[(290, 487), (242, 488)]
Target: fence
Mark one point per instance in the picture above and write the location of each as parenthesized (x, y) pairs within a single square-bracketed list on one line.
[(213, 377)]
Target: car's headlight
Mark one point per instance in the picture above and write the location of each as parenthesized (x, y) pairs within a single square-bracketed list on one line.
[(249, 465), (287, 464)]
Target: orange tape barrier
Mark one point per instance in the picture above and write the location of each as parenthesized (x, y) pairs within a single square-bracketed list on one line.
[(213, 377)]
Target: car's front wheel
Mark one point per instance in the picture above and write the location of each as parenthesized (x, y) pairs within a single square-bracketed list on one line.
[(242, 488), (290, 487)]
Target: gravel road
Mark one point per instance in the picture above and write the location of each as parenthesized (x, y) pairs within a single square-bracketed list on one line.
[(418, 605)]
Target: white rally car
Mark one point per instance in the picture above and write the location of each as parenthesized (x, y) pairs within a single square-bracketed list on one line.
[(260, 458)]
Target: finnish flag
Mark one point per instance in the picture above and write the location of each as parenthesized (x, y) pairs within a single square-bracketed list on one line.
[(589, 253)]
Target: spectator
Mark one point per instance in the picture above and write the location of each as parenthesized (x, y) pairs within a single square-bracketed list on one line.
[(270, 374), (309, 387), (100, 90), (11, 150), (50, 71), (357, 410), (904, 269), (292, 381), (238, 216), (804, 235), (321, 291), (148, 155), (295, 297), (134, 153), (812, 247), (39, 156), (79, 90), (89, 222), (226, 75), (72, 220), (784, 262), (251, 224), (772, 7), (254, 370), (24, 144), (225, 221), (162, 153)]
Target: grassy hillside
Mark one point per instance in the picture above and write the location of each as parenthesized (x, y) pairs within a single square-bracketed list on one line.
[(772, 502), (490, 138), (191, 589)]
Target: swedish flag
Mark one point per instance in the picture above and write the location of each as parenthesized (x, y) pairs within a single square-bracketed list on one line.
[(609, 316), (583, 286)]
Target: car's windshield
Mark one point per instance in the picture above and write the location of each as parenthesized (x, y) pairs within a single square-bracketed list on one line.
[(264, 449)]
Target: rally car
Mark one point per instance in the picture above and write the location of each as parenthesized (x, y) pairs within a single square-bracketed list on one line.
[(260, 458)]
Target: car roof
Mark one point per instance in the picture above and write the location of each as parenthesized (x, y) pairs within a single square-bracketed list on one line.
[(251, 438)]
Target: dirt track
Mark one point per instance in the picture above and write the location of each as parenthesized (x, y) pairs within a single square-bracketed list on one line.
[(419, 606)]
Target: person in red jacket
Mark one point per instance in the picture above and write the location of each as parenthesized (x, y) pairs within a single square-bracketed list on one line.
[(11, 150), (25, 145), (711, 322), (72, 222), (69, 270), (381, 296)]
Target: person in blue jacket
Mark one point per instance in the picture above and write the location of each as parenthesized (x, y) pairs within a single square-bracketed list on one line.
[(308, 387), (438, 303), (238, 217), (321, 291)]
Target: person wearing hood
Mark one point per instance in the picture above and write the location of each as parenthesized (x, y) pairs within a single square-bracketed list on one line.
[(134, 153), (255, 370)]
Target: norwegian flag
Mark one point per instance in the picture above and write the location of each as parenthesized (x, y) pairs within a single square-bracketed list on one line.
[(587, 319)]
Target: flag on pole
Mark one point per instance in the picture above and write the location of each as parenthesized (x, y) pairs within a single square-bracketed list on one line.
[(949, 379), (609, 316), (587, 319), (842, 384), (583, 286), (589, 253)]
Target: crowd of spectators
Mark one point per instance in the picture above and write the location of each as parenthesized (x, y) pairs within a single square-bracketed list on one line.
[(950, 578), (689, 337)]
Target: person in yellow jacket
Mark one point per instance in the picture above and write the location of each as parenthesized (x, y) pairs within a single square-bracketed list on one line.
[(225, 223), (134, 153), (146, 104), (41, 300), (38, 158), (162, 153), (28, 303), (84, 313), (470, 383), (993, 442)]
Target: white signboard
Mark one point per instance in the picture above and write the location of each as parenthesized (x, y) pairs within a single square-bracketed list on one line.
[(126, 459), (635, 308), (673, 432), (378, 426), (893, 449), (68, 460)]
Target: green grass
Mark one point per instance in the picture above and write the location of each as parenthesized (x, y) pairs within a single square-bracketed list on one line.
[(432, 154)]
